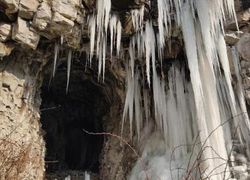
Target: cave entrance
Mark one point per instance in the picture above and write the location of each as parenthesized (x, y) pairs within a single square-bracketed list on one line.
[(64, 116)]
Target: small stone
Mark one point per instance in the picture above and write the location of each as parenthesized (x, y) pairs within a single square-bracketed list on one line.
[(246, 15), (43, 16), (243, 46), (27, 8), (5, 32), (5, 49), (231, 39), (24, 34)]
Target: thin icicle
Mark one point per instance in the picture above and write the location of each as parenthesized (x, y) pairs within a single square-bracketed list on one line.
[(112, 28), (115, 34), (118, 38), (149, 42), (62, 39), (68, 69), (132, 54), (56, 51), (129, 102), (92, 29)]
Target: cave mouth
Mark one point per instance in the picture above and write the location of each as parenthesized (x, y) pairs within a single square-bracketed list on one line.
[(64, 116)]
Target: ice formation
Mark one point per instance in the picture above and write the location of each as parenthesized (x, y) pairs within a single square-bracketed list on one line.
[(68, 69), (191, 114), (100, 24)]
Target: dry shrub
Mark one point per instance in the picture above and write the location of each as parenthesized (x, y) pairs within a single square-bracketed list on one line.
[(14, 157)]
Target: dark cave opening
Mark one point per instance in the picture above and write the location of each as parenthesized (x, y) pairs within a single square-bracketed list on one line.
[(64, 116)]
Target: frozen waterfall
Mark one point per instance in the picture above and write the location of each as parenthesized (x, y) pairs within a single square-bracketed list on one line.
[(194, 107)]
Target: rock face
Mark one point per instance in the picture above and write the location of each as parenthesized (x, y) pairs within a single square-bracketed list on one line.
[(20, 138)]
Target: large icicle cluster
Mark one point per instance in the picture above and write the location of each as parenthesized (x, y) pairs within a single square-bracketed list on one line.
[(182, 110), (99, 24)]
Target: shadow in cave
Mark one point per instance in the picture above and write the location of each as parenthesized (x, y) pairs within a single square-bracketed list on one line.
[(64, 116)]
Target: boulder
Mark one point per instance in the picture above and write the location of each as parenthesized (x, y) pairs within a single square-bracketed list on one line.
[(231, 38), (60, 24), (5, 32), (43, 16), (66, 8), (27, 8), (23, 33), (243, 46)]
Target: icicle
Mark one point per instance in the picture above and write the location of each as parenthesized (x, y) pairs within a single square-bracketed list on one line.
[(112, 28), (62, 38), (164, 21), (102, 22), (137, 18), (115, 34), (56, 51), (92, 29), (129, 102), (132, 56), (118, 38), (68, 69), (149, 40), (133, 106)]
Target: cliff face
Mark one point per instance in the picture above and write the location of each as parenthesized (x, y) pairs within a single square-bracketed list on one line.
[(30, 32)]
